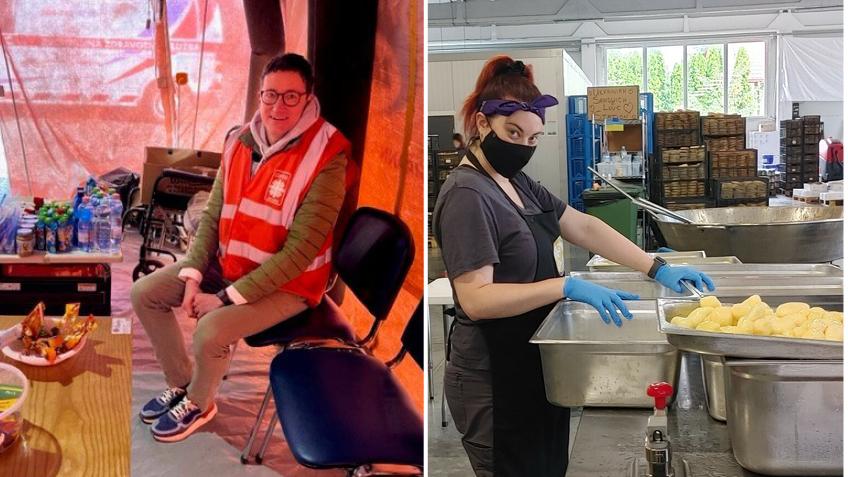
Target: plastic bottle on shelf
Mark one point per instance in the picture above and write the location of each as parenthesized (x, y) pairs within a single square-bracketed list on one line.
[(77, 201), (50, 228), (84, 218), (102, 228), (116, 216)]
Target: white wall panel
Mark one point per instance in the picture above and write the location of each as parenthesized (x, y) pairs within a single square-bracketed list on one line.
[(440, 86)]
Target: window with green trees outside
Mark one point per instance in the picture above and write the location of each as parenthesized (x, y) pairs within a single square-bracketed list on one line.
[(694, 76)]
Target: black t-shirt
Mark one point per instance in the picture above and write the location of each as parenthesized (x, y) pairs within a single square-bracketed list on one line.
[(477, 225)]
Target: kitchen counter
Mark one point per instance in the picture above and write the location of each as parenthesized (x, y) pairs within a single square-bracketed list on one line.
[(610, 442)]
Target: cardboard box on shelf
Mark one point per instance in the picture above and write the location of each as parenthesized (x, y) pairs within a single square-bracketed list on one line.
[(156, 159)]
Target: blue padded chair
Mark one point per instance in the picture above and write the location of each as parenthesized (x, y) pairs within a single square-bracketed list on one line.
[(372, 259), (340, 407)]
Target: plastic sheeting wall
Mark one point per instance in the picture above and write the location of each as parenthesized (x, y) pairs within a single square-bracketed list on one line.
[(810, 69), (394, 137), (83, 81)]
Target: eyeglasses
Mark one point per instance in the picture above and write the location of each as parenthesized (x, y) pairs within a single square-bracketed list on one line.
[(290, 98)]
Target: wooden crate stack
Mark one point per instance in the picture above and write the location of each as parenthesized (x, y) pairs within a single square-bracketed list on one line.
[(733, 164), (799, 152), (723, 132), (749, 191), (679, 176)]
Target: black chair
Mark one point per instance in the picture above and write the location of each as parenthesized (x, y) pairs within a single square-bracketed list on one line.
[(340, 407), (372, 259)]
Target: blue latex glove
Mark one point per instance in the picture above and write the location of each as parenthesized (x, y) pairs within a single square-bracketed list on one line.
[(608, 302), (672, 277), (664, 250)]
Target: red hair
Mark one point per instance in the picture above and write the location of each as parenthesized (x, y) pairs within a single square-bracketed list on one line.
[(501, 78)]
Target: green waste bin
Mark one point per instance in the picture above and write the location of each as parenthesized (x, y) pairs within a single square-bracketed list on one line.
[(614, 208)]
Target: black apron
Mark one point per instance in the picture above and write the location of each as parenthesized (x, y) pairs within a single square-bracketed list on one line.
[(530, 434)]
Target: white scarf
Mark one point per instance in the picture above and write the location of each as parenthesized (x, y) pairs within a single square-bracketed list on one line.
[(311, 113)]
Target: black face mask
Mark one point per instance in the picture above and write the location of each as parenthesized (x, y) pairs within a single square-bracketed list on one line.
[(506, 158)]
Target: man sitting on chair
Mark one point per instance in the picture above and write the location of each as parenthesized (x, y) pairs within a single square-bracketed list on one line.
[(262, 251)]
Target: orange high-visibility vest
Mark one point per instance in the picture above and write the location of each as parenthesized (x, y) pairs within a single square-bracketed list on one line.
[(258, 211)]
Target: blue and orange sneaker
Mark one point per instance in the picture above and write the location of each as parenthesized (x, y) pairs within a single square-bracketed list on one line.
[(158, 406), (181, 421)]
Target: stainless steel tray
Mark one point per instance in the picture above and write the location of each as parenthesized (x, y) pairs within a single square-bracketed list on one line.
[(807, 270), (601, 263), (785, 417), (712, 370), (744, 346), (586, 362), (632, 282)]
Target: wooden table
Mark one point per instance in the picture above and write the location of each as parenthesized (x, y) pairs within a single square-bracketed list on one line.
[(77, 414)]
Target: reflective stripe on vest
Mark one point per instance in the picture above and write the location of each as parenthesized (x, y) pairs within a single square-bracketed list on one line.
[(258, 209)]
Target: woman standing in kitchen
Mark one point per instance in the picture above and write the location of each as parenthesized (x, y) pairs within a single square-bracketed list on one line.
[(498, 230)]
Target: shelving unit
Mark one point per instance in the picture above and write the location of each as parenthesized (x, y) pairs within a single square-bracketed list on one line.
[(587, 139), (583, 143), (799, 158)]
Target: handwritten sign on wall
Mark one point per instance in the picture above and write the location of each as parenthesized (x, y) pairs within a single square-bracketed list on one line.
[(613, 101)]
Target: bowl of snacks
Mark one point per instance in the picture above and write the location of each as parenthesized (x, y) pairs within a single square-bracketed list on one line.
[(14, 387), (45, 341)]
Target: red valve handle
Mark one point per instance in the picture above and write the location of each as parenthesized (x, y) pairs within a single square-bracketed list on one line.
[(660, 391)]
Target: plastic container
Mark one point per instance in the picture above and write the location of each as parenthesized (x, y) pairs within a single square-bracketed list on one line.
[(14, 388), (613, 208), (25, 242)]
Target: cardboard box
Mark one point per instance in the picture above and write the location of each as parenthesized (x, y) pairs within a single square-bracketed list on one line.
[(156, 159)]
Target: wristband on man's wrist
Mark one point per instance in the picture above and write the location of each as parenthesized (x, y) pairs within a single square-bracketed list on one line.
[(224, 297)]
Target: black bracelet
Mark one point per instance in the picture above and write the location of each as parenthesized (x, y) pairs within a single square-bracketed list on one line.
[(224, 297)]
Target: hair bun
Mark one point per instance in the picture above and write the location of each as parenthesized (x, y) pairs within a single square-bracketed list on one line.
[(515, 67)]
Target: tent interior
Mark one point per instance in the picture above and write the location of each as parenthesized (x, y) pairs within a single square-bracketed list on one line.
[(85, 88)]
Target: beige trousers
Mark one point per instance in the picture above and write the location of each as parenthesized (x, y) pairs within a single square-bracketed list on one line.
[(153, 298)]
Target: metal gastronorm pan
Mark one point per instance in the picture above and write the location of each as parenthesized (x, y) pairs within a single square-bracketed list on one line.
[(586, 362)]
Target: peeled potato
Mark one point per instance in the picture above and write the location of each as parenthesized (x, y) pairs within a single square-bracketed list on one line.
[(754, 317), (746, 327), (708, 326), (792, 307), (681, 321), (819, 324), (758, 311), (833, 315), (763, 327), (797, 318), (723, 316), (834, 332), (815, 312), (783, 325), (739, 310), (698, 315)]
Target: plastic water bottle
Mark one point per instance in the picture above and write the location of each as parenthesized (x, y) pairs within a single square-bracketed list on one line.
[(102, 228), (84, 216), (116, 216)]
